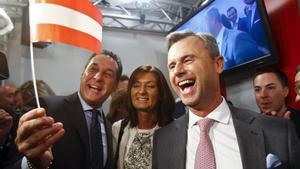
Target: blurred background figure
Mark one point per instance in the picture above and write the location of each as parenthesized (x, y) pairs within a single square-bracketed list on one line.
[(236, 22), (117, 108), (6, 122), (7, 97), (6, 24), (150, 106), (123, 82), (25, 93), (271, 93), (225, 21), (180, 109), (14, 101)]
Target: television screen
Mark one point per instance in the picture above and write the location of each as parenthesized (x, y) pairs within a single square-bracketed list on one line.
[(241, 29)]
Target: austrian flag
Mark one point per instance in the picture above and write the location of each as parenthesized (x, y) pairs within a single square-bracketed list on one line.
[(74, 22)]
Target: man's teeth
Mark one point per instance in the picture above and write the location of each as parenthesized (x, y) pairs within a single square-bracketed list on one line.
[(142, 99), (185, 82), (94, 87)]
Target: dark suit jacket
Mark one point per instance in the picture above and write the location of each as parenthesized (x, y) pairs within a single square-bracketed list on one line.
[(238, 47), (295, 118), (242, 24), (257, 137), (256, 30), (72, 151)]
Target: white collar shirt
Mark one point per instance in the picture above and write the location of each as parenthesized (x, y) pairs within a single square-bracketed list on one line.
[(88, 117), (222, 135)]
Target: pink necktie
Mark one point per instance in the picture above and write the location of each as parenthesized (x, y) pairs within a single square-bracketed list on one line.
[(205, 158)]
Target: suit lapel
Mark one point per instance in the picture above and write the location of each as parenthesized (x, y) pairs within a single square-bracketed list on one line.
[(180, 140), (76, 114), (250, 139)]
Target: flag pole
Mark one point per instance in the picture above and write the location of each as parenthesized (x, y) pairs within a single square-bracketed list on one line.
[(32, 62)]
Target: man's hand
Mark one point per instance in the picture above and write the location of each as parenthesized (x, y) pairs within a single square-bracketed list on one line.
[(6, 121), (35, 136), (286, 115)]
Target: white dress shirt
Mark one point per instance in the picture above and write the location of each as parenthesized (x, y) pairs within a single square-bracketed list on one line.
[(88, 117), (222, 135)]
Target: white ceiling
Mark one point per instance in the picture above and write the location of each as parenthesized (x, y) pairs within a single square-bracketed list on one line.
[(144, 15), (157, 16)]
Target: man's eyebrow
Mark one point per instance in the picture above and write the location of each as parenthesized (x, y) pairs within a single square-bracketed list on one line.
[(271, 84)]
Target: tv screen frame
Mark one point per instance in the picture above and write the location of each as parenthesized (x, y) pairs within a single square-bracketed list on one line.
[(263, 60)]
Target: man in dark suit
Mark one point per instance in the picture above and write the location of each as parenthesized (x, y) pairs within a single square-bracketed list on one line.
[(255, 25), (237, 138), (236, 46), (237, 23), (271, 92), (63, 134)]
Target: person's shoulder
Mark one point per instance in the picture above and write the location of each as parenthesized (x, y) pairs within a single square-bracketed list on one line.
[(117, 124), (59, 100), (257, 118), (181, 123)]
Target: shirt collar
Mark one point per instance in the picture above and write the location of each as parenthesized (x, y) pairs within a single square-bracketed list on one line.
[(85, 106), (253, 6), (220, 114)]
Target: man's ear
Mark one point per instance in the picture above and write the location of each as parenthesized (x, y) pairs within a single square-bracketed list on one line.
[(286, 91), (219, 60)]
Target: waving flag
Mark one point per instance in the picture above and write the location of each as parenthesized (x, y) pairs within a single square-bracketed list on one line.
[(74, 22)]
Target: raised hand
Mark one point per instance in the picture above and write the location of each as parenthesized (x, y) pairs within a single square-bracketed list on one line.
[(35, 136), (6, 121)]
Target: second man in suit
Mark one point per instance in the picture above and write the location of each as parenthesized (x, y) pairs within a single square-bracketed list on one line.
[(72, 131), (214, 134)]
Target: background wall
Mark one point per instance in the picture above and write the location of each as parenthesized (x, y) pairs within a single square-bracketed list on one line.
[(61, 65)]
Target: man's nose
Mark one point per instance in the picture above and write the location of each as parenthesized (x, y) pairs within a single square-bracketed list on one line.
[(142, 89), (178, 70), (98, 76), (263, 93)]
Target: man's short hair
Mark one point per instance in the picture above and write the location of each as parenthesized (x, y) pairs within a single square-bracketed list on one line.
[(209, 41), (112, 55), (279, 73), (232, 7)]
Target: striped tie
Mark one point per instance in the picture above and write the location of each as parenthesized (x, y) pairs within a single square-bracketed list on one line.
[(96, 142)]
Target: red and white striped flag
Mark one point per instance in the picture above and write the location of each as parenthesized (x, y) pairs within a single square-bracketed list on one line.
[(74, 22)]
